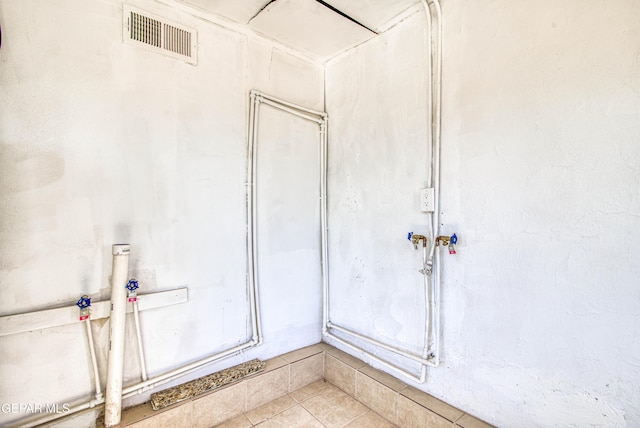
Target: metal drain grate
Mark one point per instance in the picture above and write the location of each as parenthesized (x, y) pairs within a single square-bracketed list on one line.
[(160, 35)]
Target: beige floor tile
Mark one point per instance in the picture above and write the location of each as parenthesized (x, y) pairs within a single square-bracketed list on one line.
[(237, 422), (370, 420), (468, 421), (413, 415), (295, 417), (220, 405), (302, 353), (334, 408), (267, 387), (377, 396), (178, 417), (432, 403), (340, 374), (306, 371), (311, 390), (272, 408)]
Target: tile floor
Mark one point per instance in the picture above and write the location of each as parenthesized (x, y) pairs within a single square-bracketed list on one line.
[(315, 386), (319, 404)]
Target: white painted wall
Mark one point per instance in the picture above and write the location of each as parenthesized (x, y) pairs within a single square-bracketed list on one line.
[(540, 180), (104, 143)]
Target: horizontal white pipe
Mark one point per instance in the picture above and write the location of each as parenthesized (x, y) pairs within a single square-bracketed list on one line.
[(401, 352), (168, 376), (290, 110), (143, 386), (40, 420), (289, 104), (392, 366), (48, 318)]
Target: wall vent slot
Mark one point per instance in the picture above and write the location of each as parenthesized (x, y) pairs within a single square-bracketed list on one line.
[(160, 35)]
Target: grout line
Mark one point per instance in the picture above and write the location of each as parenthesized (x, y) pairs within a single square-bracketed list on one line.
[(432, 410)]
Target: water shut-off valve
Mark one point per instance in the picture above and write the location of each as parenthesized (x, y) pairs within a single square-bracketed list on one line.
[(85, 307), (449, 241), (415, 239), (132, 286)]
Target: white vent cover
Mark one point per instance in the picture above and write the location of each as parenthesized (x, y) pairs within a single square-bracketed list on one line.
[(159, 35)]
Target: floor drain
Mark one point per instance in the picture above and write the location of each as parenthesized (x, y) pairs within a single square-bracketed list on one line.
[(185, 391)]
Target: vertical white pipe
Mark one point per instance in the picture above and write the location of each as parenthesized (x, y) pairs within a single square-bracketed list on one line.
[(257, 332), (136, 319), (323, 224), (437, 83), (431, 351), (249, 199), (94, 361), (115, 370)]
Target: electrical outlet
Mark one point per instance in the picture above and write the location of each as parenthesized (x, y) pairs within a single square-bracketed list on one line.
[(427, 200)]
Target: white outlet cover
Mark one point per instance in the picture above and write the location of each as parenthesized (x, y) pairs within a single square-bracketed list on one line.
[(427, 198)]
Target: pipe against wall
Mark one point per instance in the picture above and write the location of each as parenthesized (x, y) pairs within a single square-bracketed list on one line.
[(431, 352), (94, 361), (256, 340), (115, 366)]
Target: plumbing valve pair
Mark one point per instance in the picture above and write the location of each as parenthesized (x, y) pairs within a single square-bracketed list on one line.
[(448, 241), (84, 303)]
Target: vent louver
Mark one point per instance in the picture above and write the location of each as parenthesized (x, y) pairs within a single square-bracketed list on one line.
[(160, 35)]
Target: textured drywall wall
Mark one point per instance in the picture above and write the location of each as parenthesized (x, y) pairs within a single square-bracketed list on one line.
[(541, 118), (377, 162), (103, 143)]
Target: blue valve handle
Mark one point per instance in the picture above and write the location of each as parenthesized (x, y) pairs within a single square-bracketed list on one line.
[(409, 235), (132, 285), (84, 302), (454, 239)]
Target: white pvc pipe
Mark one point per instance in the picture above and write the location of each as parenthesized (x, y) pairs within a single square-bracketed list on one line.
[(40, 420), (152, 383), (250, 199), (291, 110), (323, 225), (257, 327), (136, 318), (256, 339), (431, 352), (436, 103), (289, 104), (142, 386), (386, 363), (115, 367), (258, 98), (394, 349), (94, 361), (173, 374)]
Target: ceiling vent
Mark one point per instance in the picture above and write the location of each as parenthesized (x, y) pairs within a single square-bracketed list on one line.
[(160, 35)]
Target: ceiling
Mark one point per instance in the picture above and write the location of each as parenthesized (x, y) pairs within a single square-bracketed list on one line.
[(318, 28)]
